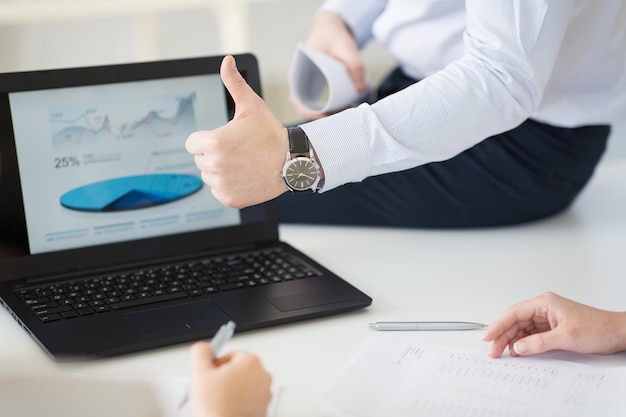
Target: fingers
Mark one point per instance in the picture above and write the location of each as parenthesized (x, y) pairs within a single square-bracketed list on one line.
[(537, 343), (527, 340), (517, 322), (506, 338), (540, 324), (529, 314), (349, 55), (196, 143), (498, 346), (506, 327), (331, 35), (201, 357), (356, 69)]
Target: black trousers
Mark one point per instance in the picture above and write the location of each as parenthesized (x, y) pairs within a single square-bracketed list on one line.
[(531, 172)]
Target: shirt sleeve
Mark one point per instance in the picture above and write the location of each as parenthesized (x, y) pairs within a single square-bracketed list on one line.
[(509, 51), (359, 15)]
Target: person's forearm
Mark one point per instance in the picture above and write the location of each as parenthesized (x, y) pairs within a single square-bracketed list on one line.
[(479, 95)]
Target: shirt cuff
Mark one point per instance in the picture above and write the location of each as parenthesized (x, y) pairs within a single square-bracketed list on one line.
[(345, 157)]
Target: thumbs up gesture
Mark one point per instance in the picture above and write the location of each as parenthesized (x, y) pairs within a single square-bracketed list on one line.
[(242, 160)]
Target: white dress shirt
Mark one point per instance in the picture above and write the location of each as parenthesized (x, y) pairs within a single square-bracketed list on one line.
[(486, 66)]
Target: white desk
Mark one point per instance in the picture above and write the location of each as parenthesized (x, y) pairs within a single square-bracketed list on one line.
[(411, 275)]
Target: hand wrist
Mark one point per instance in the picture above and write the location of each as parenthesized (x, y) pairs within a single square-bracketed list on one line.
[(327, 22), (330, 17), (301, 171)]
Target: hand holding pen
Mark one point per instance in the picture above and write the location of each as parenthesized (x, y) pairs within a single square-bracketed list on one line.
[(235, 384), (223, 335)]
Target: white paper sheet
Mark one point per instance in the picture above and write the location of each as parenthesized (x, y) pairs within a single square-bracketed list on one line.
[(320, 83), (389, 376)]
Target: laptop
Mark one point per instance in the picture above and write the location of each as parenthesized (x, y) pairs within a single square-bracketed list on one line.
[(110, 243)]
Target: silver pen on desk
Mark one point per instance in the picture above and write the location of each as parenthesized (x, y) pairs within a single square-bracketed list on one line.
[(223, 335), (426, 325)]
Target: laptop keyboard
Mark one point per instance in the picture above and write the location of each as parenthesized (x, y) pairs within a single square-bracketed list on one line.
[(175, 281)]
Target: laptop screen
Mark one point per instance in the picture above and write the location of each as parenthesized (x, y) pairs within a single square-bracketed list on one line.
[(97, 157), (107, 163)]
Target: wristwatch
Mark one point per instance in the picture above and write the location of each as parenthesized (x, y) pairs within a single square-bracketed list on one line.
[(301, 171)]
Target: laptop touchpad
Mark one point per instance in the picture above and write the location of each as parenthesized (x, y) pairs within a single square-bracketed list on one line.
[(309, 299), (189, 317)]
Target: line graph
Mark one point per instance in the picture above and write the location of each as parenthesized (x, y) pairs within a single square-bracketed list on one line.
[(122, 120)]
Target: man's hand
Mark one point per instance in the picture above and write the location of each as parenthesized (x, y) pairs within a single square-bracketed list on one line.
[(242, 160), (550, 322), (330, 34), (234, 385)]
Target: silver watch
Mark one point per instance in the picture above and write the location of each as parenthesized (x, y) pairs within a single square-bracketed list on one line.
[(301, 171)]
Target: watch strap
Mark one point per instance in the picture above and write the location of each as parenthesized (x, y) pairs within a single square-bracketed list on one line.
[(298, 141)]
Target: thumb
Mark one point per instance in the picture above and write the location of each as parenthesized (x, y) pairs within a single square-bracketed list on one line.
[(234, 82), (537, 343)]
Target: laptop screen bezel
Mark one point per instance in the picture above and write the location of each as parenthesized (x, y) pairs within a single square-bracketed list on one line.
[(260, 222)]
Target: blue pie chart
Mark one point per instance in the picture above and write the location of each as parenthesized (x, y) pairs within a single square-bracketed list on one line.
[(131, 193)]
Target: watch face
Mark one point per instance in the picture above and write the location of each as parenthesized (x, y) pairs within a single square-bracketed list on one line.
[(300, 173)]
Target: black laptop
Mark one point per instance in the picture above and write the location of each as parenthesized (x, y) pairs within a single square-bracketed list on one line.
[(110, 242)]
